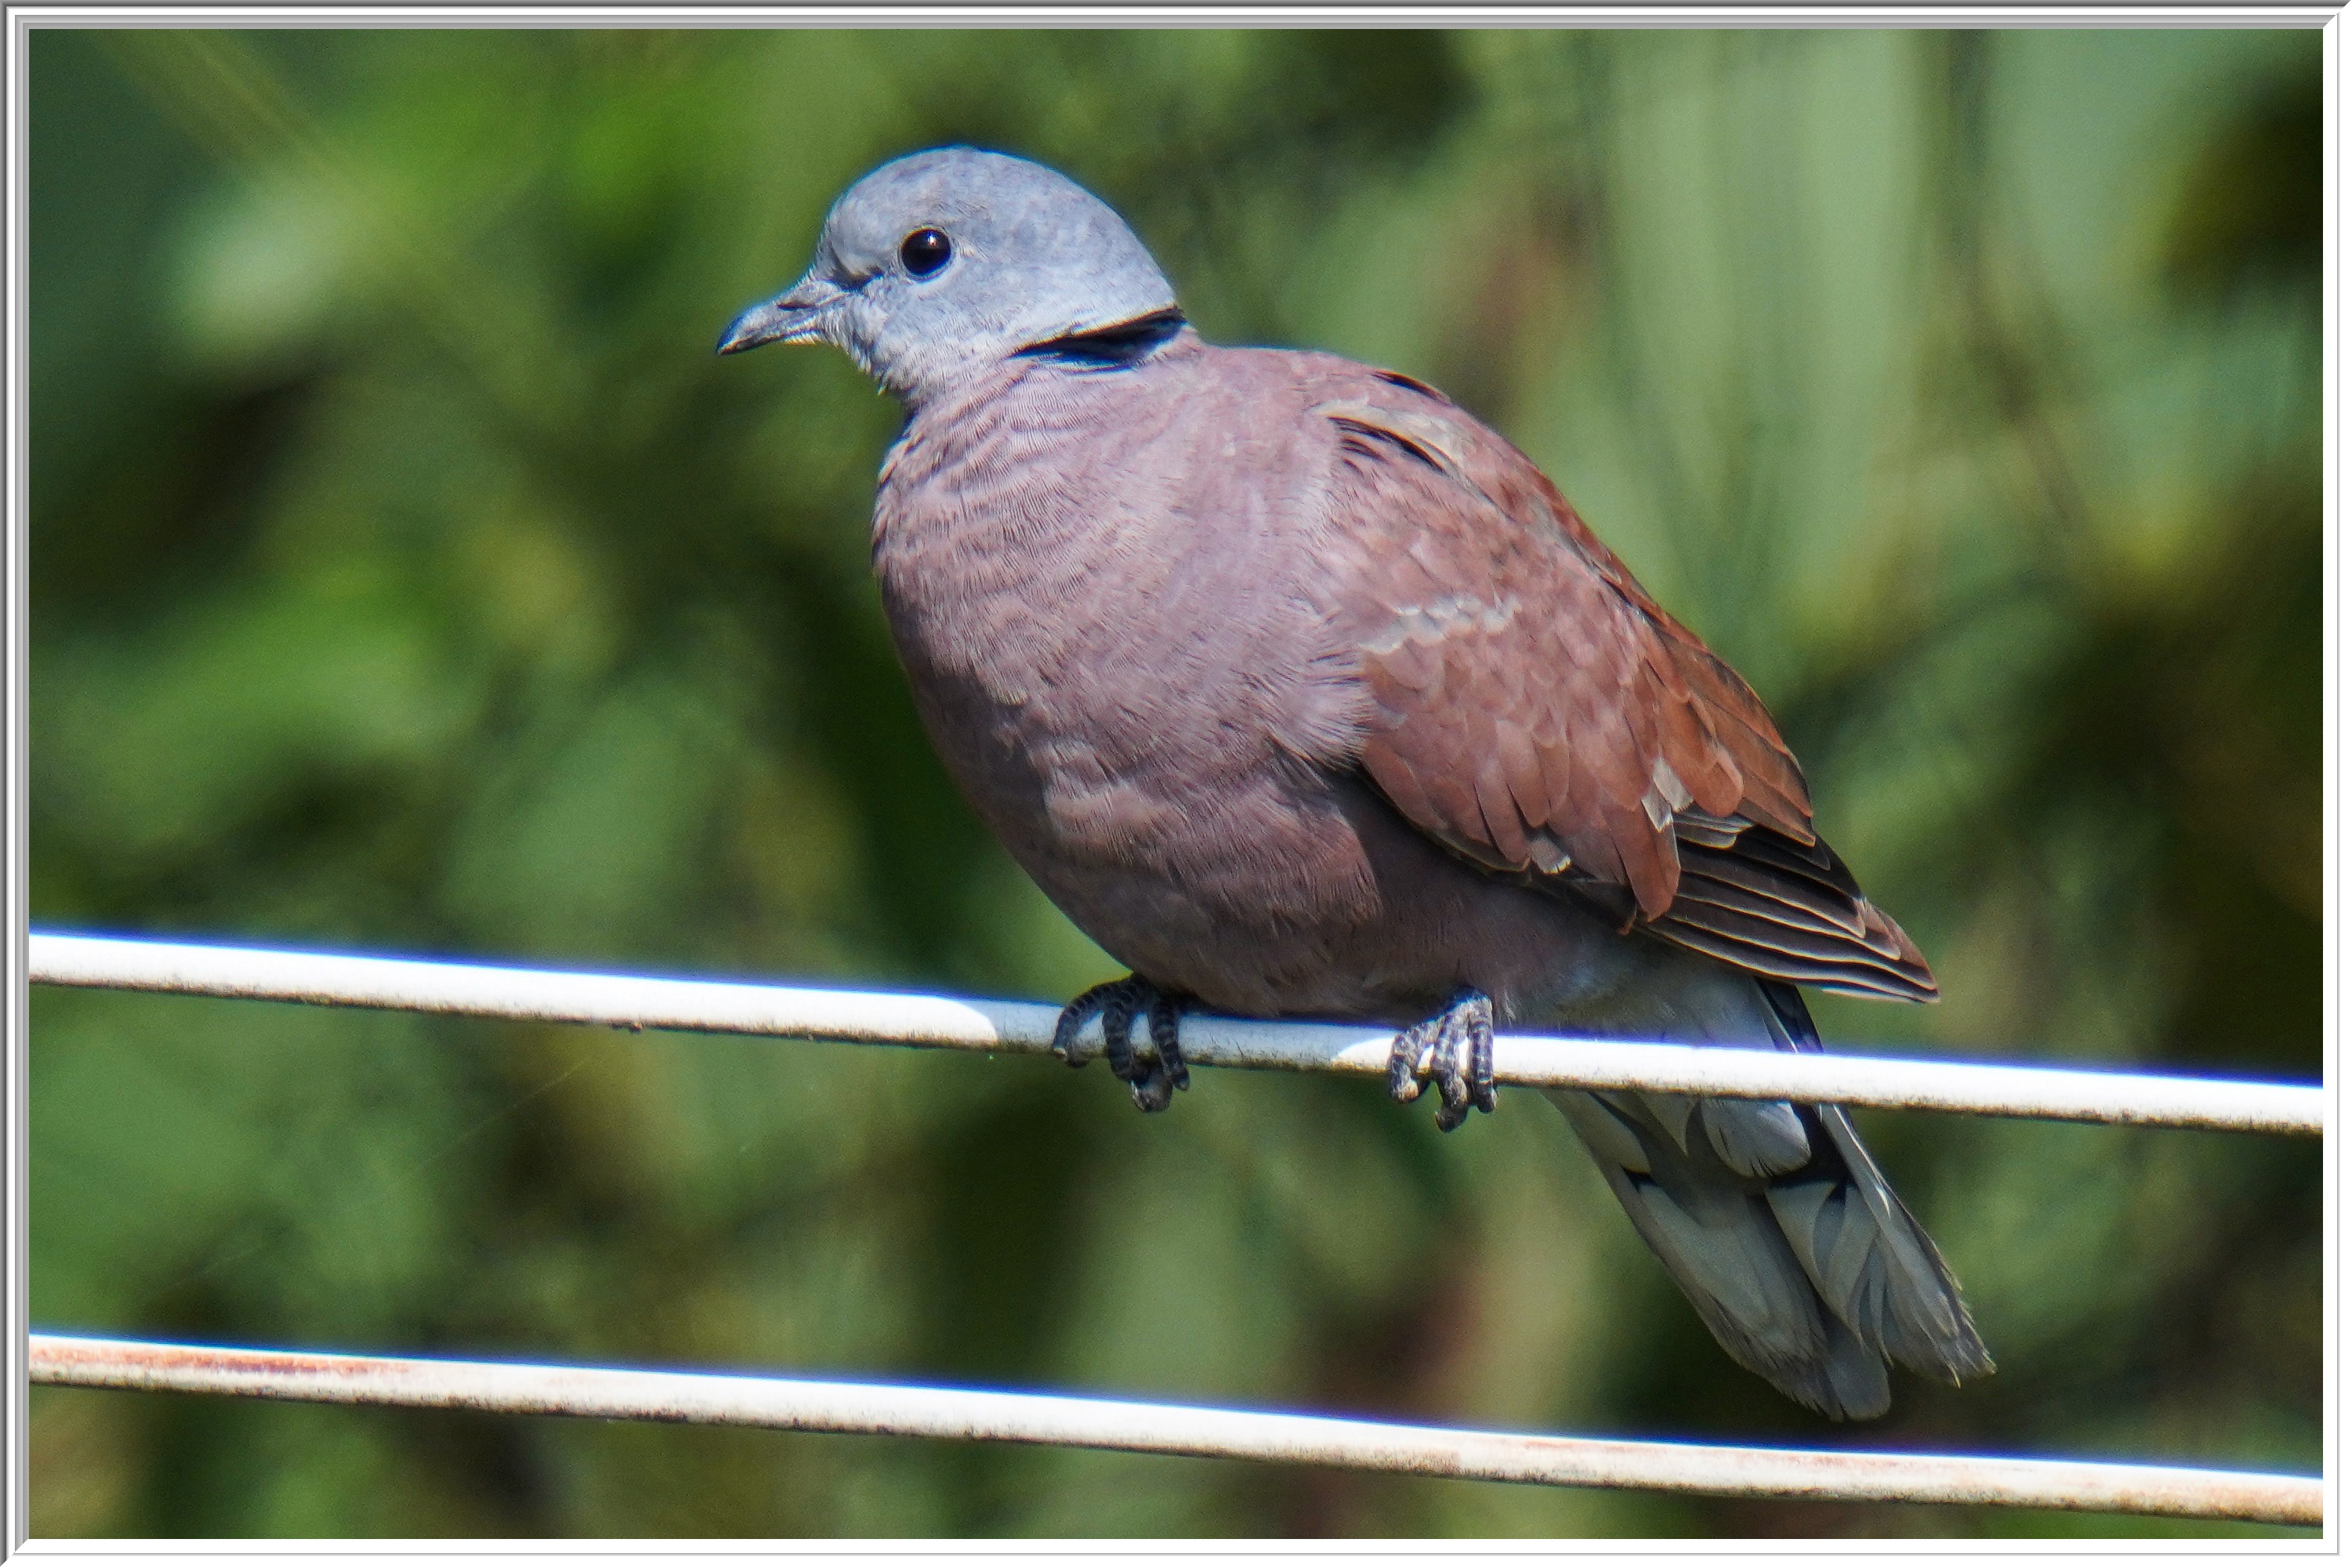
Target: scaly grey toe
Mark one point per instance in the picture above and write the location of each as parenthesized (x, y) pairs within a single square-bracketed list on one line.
[(1117, 1002), (1460, 1046)]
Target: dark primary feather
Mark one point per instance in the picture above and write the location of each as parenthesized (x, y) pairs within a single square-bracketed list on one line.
[(1752, 898)]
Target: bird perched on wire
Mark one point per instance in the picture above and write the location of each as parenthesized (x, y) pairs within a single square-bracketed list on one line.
[(1304, 694)]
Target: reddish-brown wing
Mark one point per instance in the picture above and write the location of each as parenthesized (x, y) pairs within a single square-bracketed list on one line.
[(1538, 712)]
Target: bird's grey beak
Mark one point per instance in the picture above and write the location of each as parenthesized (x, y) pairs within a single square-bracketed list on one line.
[(795, 316)]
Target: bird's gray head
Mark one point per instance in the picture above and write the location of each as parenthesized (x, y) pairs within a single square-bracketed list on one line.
[(945, 262)]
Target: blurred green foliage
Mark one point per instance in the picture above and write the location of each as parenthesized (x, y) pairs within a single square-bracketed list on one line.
[(409, 576)]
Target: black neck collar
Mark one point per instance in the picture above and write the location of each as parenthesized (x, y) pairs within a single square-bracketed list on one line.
[(1119, 345)]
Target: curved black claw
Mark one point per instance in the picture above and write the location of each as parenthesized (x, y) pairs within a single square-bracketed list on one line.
[(1117, 1002), (1459, 1048)]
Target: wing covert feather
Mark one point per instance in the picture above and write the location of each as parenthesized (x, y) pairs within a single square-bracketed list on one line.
[(1536, 711)]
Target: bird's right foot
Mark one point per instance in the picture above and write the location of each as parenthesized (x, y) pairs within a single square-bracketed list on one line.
[(1456, 1050), (1117, 1002)]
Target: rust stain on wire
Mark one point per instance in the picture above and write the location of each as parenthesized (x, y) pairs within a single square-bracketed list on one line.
[(901, 1410)]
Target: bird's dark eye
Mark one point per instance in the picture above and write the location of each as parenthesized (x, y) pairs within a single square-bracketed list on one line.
[(925, 252)]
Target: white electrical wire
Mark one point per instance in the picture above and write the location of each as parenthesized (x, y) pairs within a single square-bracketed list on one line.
[(640, 1003), (979, 1415), (892, 1018)]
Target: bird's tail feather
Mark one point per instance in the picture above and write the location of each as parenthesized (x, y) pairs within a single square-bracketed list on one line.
[(1779, 1228)]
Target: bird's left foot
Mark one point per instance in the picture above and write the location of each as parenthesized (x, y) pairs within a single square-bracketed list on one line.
[(1456, 1050), (1152, 1083)]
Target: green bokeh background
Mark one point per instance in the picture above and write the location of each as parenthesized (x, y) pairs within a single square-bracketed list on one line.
[(408, 576)]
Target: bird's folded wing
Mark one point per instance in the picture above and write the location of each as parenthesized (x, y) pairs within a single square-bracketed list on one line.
[(1538, 712)]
